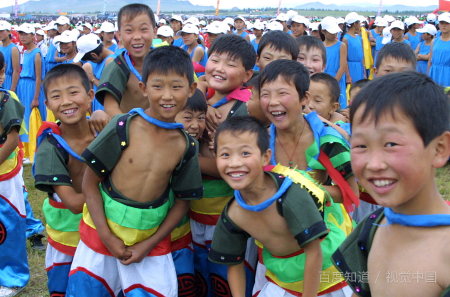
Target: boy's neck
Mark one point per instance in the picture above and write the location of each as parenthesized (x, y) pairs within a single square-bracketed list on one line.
[(105, 52), (79, 130), (260, 190), (258, 39), (108, 44), (31, 46), (137, 62), (292, 132), (71, 55), (218, 96), (400, 39), (240, 31), (6, 42), (330, 42)]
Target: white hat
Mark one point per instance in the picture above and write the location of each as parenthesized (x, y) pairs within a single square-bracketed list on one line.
[(258, 26), (162, 21), (79, 28), (282, 17), (192, 20), (87, 25), (314, 26), (274, 26), (85, 44), (330, 25), (50, 26), (362, 19), (300, 20), (380, 22), (37, 25), (202, 23), (66, 36), (188, 28), (398, 24), (40, 32), (340, 20), (229, 21), (291, 13), (445, 17), (431, 17), (217, 27), (412, 20), (98, 31), (352, 17), (165, 31), (239, 18), (4, 25), (107, 27), (62, 20), (26, 28), (389, 18), (176, 18), (428, 28), (387, 35)]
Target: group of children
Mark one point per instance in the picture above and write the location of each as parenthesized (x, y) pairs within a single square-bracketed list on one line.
[(231, 184)]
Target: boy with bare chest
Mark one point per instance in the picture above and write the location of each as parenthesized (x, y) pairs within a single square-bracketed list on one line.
[(401, 249), (133, 165)]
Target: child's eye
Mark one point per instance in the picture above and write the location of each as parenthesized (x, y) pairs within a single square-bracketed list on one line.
[(201, 118), (245, 153), (73, 93), (156, 86), (187, 118), (224, 155), (231, 65), (391, 144), (55, 97)]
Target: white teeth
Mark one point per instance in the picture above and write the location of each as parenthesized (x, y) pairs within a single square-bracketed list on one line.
[(236, 174), (138, 46), (383, 183), (277, 113), (69, 111), (219, 77), (193, 135), (168, 105)]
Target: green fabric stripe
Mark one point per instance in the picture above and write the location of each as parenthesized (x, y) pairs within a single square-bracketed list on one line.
[(131, 217), (13, 154), (331, 138), (61, 219), (216, 188), (340, 159)]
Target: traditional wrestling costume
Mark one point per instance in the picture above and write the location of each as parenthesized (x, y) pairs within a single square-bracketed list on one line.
[(300, 210), (14, 272), (95, 272), (51, 169)]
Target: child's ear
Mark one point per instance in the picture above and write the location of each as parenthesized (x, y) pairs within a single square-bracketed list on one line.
[(442, 150), (267, 155), (305, 100), (46, 103), (375, 71), (143, 89), (323, 67), (334, 107), (257, 60), (91, 95), (248, 75), (192, 89)]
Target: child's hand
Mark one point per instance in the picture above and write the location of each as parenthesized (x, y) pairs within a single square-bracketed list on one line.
[(211, 144), (117, 248), (212, 119), (34, 103), (138, 252), (346, 113), (98, 121)]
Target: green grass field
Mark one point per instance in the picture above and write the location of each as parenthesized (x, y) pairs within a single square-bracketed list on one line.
[(37, 287)]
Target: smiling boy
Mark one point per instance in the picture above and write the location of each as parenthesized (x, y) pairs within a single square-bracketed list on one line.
[(395, 153)]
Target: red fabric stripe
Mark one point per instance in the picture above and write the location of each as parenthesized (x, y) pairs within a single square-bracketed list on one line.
[(349, 198), (104, 283), (58, 264), (249, 266), (91, 238), (199, 245), (13, 206), (182, 242), (56, 204), (16, 170), (260, 257), (204, 219), (299, 252), (367, 198), (139, 286), (65, 249)]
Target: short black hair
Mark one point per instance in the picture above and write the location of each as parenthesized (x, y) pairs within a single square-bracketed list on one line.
[(236, 47), (166, 59), (97, 51), (360, 83), (312, 42), (254, 82), (130, 11), (331, 82), (279, 40), (70, 71), (417, 96), (241, 124), (196, 102), (397, 51), (291, 71), (2, 61)]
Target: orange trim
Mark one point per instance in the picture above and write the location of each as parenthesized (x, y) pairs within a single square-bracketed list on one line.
[(182, 242), (65, 249), (91, 238), (203, 218), (56, 204)]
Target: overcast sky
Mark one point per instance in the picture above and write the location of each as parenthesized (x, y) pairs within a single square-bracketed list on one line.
[(274, 3)]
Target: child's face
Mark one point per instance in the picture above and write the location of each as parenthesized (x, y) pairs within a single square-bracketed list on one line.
[(238, 24), (193, 121), (239, 159), (167, 94), (329, 36), (175, 25), (167, 39), (315, 33), (62, 28), (353, 92), (137, 35), (224, 74), (39, 38), (281, 103), (67, 99), (390, 160), (4, 35), (312, 59), (444, 27), (2, 76), (86, 30), (51, 33), (396, 33), (320, 99), (391, 65), (108, 36), (26, 38), (297, 29), (258, 33), (269, 54), (67, 47), (213, 36), (189, 38), (427, 36), (254, 107)]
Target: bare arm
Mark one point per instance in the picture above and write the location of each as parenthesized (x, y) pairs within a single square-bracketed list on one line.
[(313, 266), (336, 193), (348, 78), (59, 59), (343, 65), (429, 58), (236, 279), (208, 166), (15, 56), (417, 51), (12, 141), (111, 105), (38, 73), (89, 71), (72, 200), (372, 40), (198, 55)]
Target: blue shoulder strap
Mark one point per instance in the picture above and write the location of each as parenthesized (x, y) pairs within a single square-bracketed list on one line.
[(432, 220), (156, 122), (131, 66)]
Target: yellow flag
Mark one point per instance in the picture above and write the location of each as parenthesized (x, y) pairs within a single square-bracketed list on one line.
[(35, 124)]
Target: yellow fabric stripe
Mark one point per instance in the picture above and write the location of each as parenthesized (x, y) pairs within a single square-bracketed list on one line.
[(181, 231), (210, 206), (328, 278), (129, 236), (65, 238), (10, 163)]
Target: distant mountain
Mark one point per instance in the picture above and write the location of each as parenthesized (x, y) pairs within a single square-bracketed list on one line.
[(364, 7), (84, 6)]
